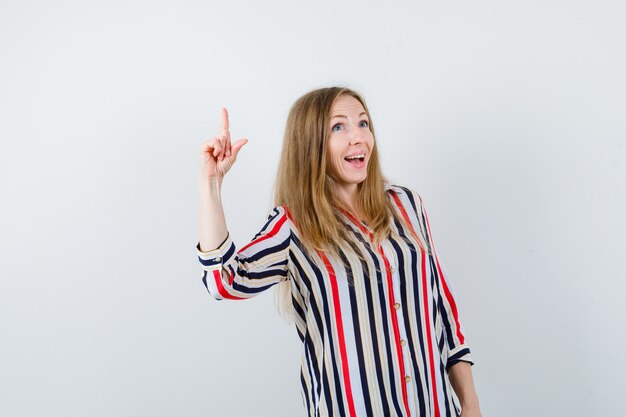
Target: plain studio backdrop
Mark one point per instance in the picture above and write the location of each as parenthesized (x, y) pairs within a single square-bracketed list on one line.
[(508, 117)]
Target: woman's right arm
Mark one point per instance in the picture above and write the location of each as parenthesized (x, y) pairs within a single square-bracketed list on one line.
[(228, 274), (217, 157)]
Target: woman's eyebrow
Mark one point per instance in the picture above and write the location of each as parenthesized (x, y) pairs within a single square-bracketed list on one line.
[(345, 117)]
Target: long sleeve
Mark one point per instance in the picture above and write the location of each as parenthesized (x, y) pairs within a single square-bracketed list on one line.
[(262, 263), (455, 349)]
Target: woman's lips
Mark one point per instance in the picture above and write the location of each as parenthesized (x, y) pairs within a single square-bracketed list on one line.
[(356, 163)]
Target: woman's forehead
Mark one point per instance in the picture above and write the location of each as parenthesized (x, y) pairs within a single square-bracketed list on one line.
[(346, 105)]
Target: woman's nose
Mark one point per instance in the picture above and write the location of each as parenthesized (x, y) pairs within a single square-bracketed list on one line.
[(356, 136)]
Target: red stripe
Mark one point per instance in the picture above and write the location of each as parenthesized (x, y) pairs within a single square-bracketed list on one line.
[(359, 225), (288, 213), (446, 290), (342, 341), (217, 276), (396, 331), (394, 317), (431, 359), (405, 216), (401, 208), (272, 232)]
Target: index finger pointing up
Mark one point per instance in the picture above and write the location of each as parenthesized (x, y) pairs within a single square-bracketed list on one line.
[(224, 126)]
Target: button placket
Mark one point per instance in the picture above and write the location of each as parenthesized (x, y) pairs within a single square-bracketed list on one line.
[(397, 310)]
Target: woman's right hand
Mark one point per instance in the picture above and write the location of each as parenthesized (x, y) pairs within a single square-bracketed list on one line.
[(217, 154)]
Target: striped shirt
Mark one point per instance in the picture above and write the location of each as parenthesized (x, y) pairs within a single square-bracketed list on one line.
[(379, 331)]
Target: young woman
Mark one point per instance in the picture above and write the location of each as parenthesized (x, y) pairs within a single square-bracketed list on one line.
[(355, 265)]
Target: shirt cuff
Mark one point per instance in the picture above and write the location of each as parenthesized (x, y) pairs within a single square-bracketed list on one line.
[(214, 259), (460, 354)]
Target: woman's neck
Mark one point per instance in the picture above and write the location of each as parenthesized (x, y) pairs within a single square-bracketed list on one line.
[(348, 196)]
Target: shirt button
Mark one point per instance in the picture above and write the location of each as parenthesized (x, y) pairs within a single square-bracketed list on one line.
[(403, 342), (407, 378), (396, 306), (218, 259), (393, 270)]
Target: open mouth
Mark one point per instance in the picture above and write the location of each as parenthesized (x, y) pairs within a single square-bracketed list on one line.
[(356, 160), (358, 157)]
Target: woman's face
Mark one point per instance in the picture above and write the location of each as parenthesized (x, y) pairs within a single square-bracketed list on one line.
[(350, 142)]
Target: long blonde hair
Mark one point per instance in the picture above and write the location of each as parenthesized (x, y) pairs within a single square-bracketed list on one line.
[(305, 187)]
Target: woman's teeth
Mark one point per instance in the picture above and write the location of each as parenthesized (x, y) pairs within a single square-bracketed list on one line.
[(359, 156)]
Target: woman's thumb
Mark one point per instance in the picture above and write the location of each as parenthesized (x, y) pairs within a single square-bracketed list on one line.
[(237, 147)]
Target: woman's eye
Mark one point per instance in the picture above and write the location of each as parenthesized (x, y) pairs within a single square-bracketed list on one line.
[(364, 123), (337, 127)]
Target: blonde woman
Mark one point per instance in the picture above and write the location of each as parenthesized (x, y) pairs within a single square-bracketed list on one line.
[(355, 265)]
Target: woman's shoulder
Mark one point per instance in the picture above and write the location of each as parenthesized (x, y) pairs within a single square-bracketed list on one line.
[(276, 224), (280, 216), (279, 213), (406, 193)]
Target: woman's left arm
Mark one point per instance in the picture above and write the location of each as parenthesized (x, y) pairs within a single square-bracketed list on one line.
[(463, 384), (458, 358)]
